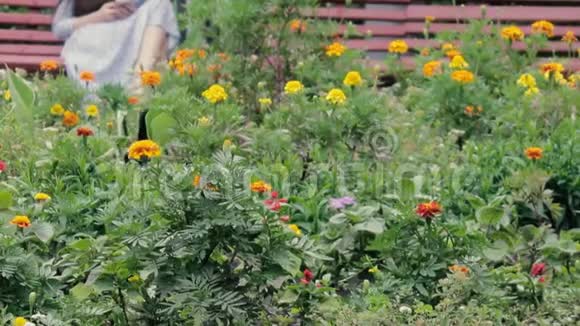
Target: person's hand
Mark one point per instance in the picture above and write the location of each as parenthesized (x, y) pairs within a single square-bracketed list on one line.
[(111, 11)]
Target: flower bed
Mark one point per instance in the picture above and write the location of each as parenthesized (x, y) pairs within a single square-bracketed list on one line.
[(269, 180)]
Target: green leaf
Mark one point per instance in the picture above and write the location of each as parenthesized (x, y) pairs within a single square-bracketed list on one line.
[(5, 200), (289, 296), (288, 261), (23, 97), (489, 215), (407, 189), (373, 225), (81, 291), (475, 201), (43, 231), (497, 251), (160, 126)]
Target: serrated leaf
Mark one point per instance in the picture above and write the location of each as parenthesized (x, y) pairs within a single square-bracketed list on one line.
[(288, 261), (497, 251), (81, 291), (475, 201), (489, 215), (373, 225), (43, 231)]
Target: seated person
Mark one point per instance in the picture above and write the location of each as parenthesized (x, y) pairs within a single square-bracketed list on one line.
[(115, 39)]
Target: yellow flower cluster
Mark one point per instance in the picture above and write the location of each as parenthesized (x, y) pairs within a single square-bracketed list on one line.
[(569, 37), (553, 70), (458, 63), (293, 87), (260, 186), (529, 82), (7, 95), (352, 78), (57, 109), (41, 196), (512, 33), (335, 49), (265, 101), (295, 229), (543, 27), (336, 96), (204, 121), (92, 111), (215, 94), (398, 46), (150, 78), (144, 149)]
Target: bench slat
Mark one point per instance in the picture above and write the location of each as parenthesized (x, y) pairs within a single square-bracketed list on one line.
[(358, 14), (28, 36), (30, 49), (30, 3), (25, 19), (25, 61)]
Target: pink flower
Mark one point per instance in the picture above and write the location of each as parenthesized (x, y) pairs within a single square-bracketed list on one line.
[(308, 275), (3, 166), (284, 218), (542, 279), (538, 269), (274, 203)]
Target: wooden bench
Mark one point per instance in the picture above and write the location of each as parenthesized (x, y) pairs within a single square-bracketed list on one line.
[(25, 37), (377, 22)]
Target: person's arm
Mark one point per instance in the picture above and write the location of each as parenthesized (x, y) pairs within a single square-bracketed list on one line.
[(64, 24)]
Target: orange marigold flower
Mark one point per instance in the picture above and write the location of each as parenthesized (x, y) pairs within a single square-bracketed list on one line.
[(534, 153), (543, 27), (398, 46), (144, 149), (196, 180), (569, 37), (462, 76), (452, 53), (551, 67), (425, 52), (260, 186), (429, 209), (223, 56), (84, 131), (429, 19), (459, 269), (447, 47), (431, 68), (49, 65), (473, 111), (297, 25), (150, 78), (512, 33), (70, 119), (184, 54), (21, 221), (187, 69), (335, 49), (201, 53), (214, 68), (133, 100), (87, 76)]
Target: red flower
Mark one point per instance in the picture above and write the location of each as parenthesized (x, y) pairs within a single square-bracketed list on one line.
[(308, 275), (428, 210), (542, 279), (538, 269), (3, 166), (285, 219), (84, 131), (274, 203)]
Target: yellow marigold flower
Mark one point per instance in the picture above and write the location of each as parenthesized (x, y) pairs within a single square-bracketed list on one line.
[(92, 110), (134, 278), (21, 221), (527, 80), (144, 149), (447, 47), (260, 186), (551, 69), (227, 145), (543, 27), (150, 78), (569, 37), (335, 49), (20, 321), (398, 46), (336, 96), (293, 87), (57, 109), (458, 62), (463, 76), (110, 124), (265, 101), (41, 196), (352, 78), (559, 78), (452, 53), (196, 180), (374, 269), (512, 33), (215, 93), (431, 68), (534, 153), (429, 19), (7, 95), (425, 52), (87, 76), (70, 119), (297, 25), (532, 91), (296, 229), (573, 79), (49, 65), (204, 121)]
